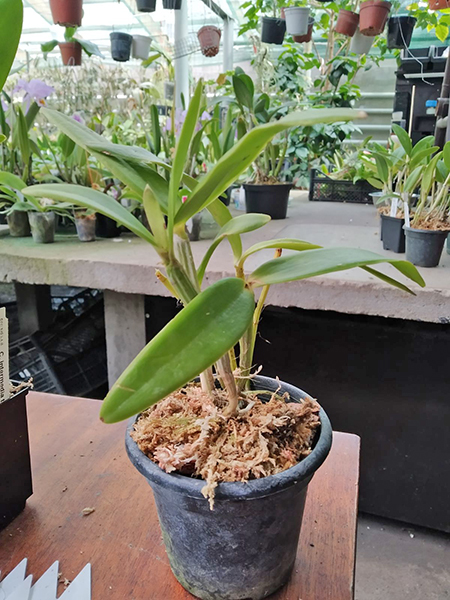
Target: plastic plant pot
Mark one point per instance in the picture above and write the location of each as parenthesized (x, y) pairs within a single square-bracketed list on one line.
[(424, 246), (269, 200), (85, 227), (68, 13), (106, 227), (172, 4), (209, 38), (373, 15), (393, 234), (120, 46), (246, 547), (19, 225), (400, 30), (297, 20), (140, 47), (347, 22), (307, 37), (361, 44), (146, 6), (71, 53), (273, 30), (42, 227)]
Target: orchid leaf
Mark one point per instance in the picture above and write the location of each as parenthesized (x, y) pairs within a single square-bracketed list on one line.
[(11, 12)]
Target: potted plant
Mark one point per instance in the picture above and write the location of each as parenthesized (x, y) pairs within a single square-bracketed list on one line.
[(373, 15), (200, 342), (400, 30), (146, 6), (85, 223), (308, 35), (14, 204), (71, 49), (209, 38), (141, 46), (347, 22), (68, 13), (297, 20), (121, 46)]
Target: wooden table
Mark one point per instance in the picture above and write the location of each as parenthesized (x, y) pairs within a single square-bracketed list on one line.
[(78, 462)]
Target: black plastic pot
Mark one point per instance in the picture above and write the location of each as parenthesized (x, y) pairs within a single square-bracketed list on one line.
[(270, 200), (19, 225), (245, 547), (400, 30), (120, 46), (146, 5), (15, 468), (424, 246), (172, 4), (106, 227), (393, 234), (273, 30)]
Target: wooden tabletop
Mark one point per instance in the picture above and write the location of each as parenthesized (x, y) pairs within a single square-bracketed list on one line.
[(78, 462)]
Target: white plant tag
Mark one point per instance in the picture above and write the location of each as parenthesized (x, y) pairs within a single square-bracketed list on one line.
[(406, 209), (4, 356), (394, 207)]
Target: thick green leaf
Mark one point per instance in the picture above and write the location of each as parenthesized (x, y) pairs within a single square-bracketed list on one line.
[(403, 138), (47, 47), (446, 155), (12, 180), (221, 215), (283, 243), (90, 48), (413, 179), (182, 350), (422, 144), (419, 157), (382, 168), (89, 198), (387, 279), (11, 12), (325, 260), (156, 129), (244, 90), (240, 157), (155, 217)]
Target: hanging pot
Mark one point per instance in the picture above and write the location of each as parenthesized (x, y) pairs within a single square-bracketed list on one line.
[(269, 200), (438, 4), (209, 38), (246, 547), (307, 37), (297, 19), (373, 15), (361, 44), (68, 13), (273, 30), (400, 30), (85, 225), (71, 53), (19, 226), (141, 46), (121, 46), (146, 6), (42, 227), (347, 22), (424, 246), (172, 4)]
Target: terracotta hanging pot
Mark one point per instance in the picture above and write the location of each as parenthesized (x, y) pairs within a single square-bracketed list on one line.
[(373, 15), (70, 53), (438, 4), (347, 22), (308, 35), (209, 38), (68, 13)]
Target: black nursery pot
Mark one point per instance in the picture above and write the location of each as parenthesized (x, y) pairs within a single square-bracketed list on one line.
[(106, 227), (400, 30), (246, 546), (172, 4), (269, 200), (393, 234), (146, 5), (15, 468), (120, 46), (273, 30), (424, 246)]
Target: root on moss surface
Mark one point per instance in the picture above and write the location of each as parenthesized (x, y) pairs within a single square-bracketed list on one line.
[(187, 433)]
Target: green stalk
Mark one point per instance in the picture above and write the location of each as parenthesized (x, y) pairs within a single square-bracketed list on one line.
[(183, 252)]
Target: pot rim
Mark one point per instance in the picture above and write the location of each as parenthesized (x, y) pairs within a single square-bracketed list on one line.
[(297, 8), (429, 231), (117, 34), (392, 218), (380, 3), (268, 185), (272, 19), (255, 488)]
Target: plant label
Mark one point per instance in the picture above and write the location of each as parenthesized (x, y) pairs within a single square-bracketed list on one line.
[(4, 356)]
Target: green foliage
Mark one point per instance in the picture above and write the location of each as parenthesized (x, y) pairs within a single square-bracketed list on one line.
[(10, 29), (89, 48)]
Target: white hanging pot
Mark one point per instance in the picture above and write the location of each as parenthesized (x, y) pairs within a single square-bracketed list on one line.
[(141, 46), (297, 19), (361, 44)]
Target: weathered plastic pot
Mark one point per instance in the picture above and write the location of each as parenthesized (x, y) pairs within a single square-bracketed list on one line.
[(246, 547), (106, 227), (146, 6), (269, 200), (373, 15), (347, 22), (19, 225), (308, 35), (209, 38), (400, 30), (297, 20), (448, 244), (172, 4), (68, 13), (392, 234), (71, 53), (361, 44), (121, 46), (273, 30), (140, 47), (86, 227), (424, 246), (42, 227)]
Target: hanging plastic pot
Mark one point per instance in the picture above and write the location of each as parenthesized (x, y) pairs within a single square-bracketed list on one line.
[(438, 4), (209, 38), (373, 15), (141, 46), (120, 46), (361, 44), (400, 30), (307, 37), (68, 13), (172, 4), (297, 20), (273, 30), (146, 6), (71, 53), (347, 22)]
